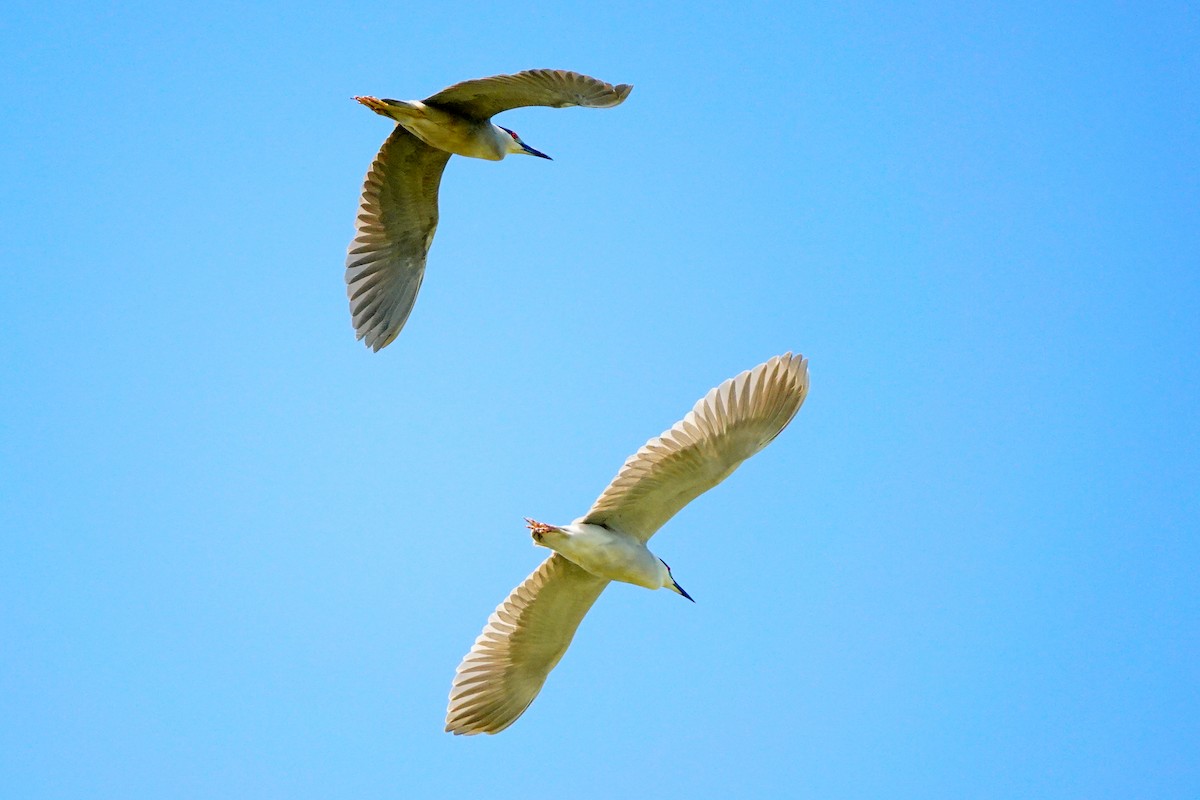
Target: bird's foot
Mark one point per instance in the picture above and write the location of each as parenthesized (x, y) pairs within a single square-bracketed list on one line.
[(375, 104), (539, 529)]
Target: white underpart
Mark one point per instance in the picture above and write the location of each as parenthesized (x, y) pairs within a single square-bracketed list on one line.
[(608, 554), (528, 633)]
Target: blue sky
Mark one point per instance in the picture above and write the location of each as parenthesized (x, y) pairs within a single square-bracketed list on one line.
[(243, 555)]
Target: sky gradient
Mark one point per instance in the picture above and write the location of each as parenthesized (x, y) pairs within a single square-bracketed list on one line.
[(243, 555)]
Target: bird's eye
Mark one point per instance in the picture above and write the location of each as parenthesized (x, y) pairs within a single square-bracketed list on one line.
[(513, 134)]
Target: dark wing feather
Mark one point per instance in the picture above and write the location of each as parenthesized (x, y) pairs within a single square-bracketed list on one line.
[(484, 97), (397, 215)]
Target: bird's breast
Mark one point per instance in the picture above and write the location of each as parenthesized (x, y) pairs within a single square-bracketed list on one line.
[(453, 134), (610, 554)]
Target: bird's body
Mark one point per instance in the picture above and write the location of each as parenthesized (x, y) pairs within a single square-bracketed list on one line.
[(604, 552), (445, 131), (529, 632), (398, 213)]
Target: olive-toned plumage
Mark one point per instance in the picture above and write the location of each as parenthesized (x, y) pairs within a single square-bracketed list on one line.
[(398, 213)]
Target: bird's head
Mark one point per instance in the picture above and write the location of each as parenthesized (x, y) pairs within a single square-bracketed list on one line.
[(670, 583), (515, 145)]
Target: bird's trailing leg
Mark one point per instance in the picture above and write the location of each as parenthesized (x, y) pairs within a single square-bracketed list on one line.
[(396, 109), (538, 529)]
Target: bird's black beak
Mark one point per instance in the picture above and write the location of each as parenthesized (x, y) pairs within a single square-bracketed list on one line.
[(675, 585), (537, 153)]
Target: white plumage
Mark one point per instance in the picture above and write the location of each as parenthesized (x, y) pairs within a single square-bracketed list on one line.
[(529, 632)]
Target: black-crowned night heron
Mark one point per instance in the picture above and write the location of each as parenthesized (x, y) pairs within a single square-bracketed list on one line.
[(398, 211), (529, 632)]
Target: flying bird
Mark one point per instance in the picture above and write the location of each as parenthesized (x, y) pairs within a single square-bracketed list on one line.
[(529, 632), (398, 213)]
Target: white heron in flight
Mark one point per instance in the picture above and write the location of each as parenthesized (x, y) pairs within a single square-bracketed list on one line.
[(529, 632), (398, 213)]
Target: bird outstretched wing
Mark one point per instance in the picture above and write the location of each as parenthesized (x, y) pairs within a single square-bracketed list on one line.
[(483, 97), (397, 215), (725, 427), (523, 640)]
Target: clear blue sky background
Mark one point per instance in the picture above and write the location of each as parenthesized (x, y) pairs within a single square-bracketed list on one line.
[(242, 555)]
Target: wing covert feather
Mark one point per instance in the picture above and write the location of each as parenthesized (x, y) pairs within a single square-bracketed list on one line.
[(483, 97), (725, 427), (523, 640), (397, 216)]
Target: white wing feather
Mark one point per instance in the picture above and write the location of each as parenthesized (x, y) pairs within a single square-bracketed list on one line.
[(725, 427), (523, 640)]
